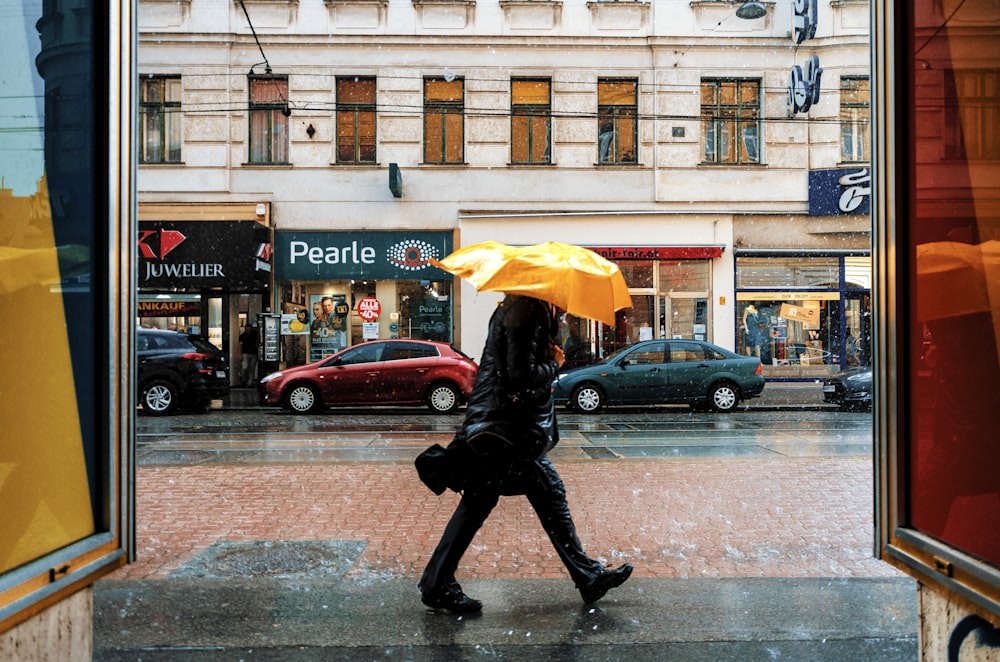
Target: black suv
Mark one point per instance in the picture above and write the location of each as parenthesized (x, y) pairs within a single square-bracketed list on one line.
[(177, 371)]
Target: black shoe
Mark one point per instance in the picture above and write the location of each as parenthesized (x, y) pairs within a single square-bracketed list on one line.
[(452, 599), (604, 582)]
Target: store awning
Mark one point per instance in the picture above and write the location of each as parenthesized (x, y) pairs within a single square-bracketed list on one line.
[(689, 252)]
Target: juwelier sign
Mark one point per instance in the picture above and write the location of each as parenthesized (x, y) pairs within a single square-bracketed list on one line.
[(335, 255), (190, 255)]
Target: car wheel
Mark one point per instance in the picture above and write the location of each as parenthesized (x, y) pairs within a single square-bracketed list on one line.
[(159, 397), (302, 399), (587, 399), (724, 397), (443, 398)]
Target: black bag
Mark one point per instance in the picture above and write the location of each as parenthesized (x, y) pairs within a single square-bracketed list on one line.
[(436, 469)]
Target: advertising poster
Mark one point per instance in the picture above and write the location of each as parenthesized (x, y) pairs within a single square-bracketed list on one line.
[(328, 328), (297, 323)]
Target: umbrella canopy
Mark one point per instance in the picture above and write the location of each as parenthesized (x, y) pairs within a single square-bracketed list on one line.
[(955, 278), (575, 279)]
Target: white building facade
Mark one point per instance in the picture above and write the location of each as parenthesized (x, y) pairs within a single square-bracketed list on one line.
[(324, 149)]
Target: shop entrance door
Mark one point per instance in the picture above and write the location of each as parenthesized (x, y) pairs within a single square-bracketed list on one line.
[(857, 329)]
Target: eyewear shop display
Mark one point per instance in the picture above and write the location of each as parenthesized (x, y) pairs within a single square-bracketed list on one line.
[(338, 289)]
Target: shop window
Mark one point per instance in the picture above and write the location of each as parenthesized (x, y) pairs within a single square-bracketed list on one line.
[(855, 127), (530, 121), (637, 273), (617, 121), (444, 119), (685, 276), (356, 120), (730, 115), (268, 120), (66, 403), (755, 272), (160, 119), (972, 114)]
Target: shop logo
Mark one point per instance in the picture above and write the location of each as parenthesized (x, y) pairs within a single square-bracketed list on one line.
[(156, 244), (411, 254)]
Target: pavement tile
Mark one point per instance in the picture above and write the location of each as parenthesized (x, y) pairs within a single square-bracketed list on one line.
[(773, 517)]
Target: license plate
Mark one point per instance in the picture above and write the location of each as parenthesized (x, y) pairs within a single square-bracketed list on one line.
[(829, 388), (221, 374)]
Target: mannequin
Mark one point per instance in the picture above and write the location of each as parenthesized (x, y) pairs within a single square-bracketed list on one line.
[(750, 330)]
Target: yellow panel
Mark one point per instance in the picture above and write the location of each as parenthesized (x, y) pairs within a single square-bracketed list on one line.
[(43, 477)]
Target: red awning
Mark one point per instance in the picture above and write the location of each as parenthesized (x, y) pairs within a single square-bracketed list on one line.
[(658, 252)]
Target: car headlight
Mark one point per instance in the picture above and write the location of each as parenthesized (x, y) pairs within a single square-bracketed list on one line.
[(267, 378), (854, 378)]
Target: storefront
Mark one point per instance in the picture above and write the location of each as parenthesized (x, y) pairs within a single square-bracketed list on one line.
[(208, 277), (805, 315), (671, 289), (337, 289)]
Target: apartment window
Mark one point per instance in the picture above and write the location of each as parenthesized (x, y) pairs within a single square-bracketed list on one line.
[(269, 120), (160, 119), (617, 125), (730, 117), (972, 114), (444, 115), (855, 126), (530, 121), (355, 120)]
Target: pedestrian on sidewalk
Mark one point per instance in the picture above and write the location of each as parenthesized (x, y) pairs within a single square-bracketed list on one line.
[(247, 343), (509, 428)]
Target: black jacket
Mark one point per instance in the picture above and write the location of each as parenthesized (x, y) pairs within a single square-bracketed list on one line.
[(510, 410)]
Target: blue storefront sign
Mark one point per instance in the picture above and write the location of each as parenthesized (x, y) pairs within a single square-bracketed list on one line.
[(371, 255), (840, 191)]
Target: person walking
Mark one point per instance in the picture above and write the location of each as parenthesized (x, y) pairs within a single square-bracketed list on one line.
[(248, 341), (509, 428)]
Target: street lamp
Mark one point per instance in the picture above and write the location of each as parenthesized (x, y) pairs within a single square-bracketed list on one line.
[(751, 10)]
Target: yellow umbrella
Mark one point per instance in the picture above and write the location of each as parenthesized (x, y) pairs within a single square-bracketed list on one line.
[(575, 279)]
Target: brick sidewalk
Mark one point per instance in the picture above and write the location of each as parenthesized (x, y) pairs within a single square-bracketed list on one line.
[(775, 517)]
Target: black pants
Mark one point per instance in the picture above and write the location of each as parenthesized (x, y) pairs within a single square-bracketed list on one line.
[(541, 484)]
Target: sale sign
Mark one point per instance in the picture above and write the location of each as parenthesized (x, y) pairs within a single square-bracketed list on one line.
[(369, 309)]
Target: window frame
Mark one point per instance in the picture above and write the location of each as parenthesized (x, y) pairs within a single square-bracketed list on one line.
[(618, 115), (355, 112), (268, 111), (531, 111), (105, 61), (971, 111), (443, 108), (165, 110), (717, 116), (855, 120)]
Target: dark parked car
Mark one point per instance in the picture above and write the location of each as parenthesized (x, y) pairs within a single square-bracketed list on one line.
[(177, 371), (850, 389), (382, 372), (700, 374)]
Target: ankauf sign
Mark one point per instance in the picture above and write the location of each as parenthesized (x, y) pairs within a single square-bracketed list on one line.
[(375, 255)]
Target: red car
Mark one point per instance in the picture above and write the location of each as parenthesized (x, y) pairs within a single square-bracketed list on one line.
[(380, 372)]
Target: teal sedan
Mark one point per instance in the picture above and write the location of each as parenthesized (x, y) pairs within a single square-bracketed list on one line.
[(699, 374)]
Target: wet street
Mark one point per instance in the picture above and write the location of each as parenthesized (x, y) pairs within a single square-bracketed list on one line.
[(396, 435), (272, 536)]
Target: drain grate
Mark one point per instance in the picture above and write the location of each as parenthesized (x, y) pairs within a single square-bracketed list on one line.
[(306, 559), (621, 426), (599, 453)]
